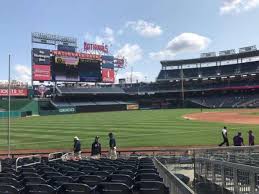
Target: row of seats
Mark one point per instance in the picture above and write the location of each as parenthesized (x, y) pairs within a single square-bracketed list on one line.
[(85, 176)]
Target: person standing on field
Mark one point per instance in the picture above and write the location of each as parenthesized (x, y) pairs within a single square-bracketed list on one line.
[(77, 148), (112, 144), (238, 140), (96, 149), (225, 137), (251, 138)]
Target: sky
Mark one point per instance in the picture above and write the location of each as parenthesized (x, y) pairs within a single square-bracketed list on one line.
[(143, 31)]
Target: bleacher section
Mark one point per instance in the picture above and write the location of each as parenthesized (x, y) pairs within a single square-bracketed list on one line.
[(214, 71), (104, 176), (93, 90), (89, 103), (227, 100)]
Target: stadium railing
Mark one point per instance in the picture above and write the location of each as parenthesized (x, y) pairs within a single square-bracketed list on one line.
[(55, 156), (173, 182), (31, 162)]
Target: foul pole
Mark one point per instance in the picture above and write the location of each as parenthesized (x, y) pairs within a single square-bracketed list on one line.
[(9, 105)]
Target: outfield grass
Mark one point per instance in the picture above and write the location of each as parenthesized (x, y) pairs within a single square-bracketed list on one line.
[(131, 128)]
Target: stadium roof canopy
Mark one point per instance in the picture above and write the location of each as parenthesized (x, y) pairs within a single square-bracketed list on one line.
[(209, 59)]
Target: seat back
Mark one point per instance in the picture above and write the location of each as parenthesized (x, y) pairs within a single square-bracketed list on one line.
[(102, 174), (126, 172), (91, 180), (39, 189), (8, 189), (121, 178), (10, 181), (151, 187), (74, 188), (113, 188), (34, 180), (148, 177)]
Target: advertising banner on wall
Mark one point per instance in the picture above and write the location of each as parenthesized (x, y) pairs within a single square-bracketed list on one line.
[(41, 72), (108, 62), (14, 92), (108, 75), (78, 55), (41, 56), (67, 60)]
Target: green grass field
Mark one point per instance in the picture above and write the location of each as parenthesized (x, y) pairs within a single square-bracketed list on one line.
[(131, 128)]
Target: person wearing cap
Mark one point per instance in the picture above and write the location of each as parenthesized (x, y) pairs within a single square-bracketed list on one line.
[(77, 148), (251, 138), (96, 149), (224, 133), (112, 144), (238, 140)]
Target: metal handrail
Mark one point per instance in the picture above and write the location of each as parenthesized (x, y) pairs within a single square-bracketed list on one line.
[(173, 182), (52, 158), (31, 156)]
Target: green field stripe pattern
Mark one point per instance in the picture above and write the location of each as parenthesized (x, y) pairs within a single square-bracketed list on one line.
[(131, 128)]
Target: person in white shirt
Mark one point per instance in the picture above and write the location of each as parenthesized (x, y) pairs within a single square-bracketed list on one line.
[(225, 137)]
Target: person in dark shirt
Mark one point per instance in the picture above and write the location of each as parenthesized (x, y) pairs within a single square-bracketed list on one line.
[(77, 148), (96, 149), (238, 140), (224, 133), (112, 144), (251, 138)]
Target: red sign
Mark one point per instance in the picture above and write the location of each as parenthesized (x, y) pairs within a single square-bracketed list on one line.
[(41, 72), (108, 75), (14, 92), (80, 55), (96, 47), (119, 62)]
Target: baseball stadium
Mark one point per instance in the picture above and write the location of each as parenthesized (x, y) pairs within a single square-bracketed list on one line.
[(76, 128)]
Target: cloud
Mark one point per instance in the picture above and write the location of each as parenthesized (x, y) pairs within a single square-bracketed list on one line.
[(185, 42), (135, 75), (132, 53), (237, 6), (22, 73), (161, 55), (144, 28), (106, 37)]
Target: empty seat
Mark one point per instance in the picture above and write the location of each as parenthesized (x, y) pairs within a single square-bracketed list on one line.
[(113, 188), (91, 180), (74, 188), (75, 174), (126, 172), (151, 187), (57, 181), (11, 181), (148, 177), (39, 189), (88, 169), (102, 174), (34, 180), (147, 171), (8, 189), (127, 167), (121, 178), (28, 174), (107, 168), (49, 175)]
